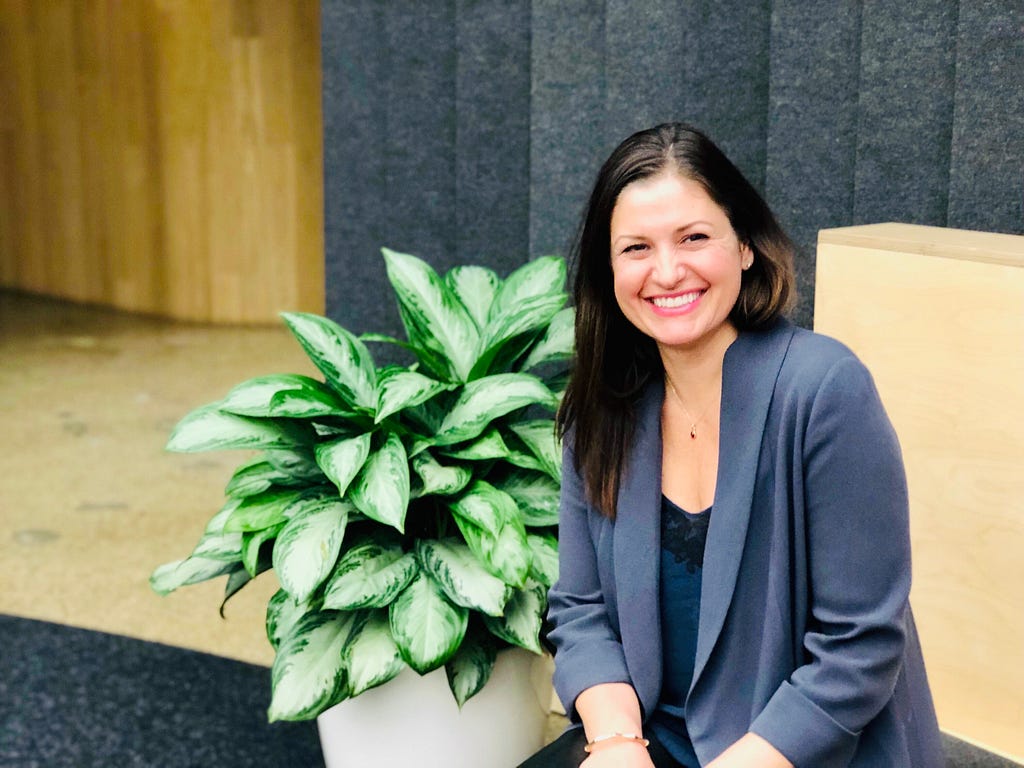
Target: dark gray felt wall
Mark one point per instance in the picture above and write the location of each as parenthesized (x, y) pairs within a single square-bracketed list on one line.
[(470, 131)]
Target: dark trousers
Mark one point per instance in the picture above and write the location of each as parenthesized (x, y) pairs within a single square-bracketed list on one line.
[(567, 752)]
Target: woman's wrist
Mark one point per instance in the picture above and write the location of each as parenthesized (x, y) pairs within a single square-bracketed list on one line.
[(604, 740)]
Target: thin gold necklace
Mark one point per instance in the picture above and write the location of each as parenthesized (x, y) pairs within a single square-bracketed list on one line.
[(693, 422)]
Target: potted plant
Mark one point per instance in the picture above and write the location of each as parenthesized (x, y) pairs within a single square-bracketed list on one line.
[(409, 512)]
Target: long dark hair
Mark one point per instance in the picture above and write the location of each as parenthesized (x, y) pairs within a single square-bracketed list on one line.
[(614, 361)]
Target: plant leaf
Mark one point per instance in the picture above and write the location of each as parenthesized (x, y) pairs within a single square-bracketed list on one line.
[(524, 615), (307, 547), (371, 656), (557, 343), (426, 626), (251, 544), (541, 277), (476, 288), (261, 510), (489, 445), (299, 465), (539, 436), (283, 613), (192, 570), (342, 459), (308, 672), (516, 330), (438, 479), (470, 668), (506, 555), (370, 575), (404, 389), (219, 546), (306, 404), (484, 400), (255, 477), (434, 318), (381, 489), (544, 568), (256, 397), (343, 359), (209, 429), (486, 507), (536, 495), (463, 578)]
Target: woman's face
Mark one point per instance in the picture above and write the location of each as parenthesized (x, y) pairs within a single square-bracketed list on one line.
[(676, 262)]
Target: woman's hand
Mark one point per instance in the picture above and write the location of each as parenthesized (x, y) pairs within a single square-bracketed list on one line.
[(618, 754), (751, 751)]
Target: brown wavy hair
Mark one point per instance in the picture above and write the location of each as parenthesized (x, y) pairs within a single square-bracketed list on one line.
[(613, 360)]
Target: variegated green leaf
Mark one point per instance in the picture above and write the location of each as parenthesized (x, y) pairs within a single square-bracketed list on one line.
[(486, 507), (506, 555), (192, 570), (256, 397), (307, 547), (371, 656), (309, 672), (251, 544), (470, 668), (557, 343), (255, 477), (299, 465), (463, 578), (404, 389), (340, 356), (476, 288), (342, 459), (536, 495), (434, 318), (486, 399), (283, 613), (438, 479), (517, 329), (426, 626), (544, 568), (306, 404), (524, 615), (218, 521), (235, 582), (261, 510), (369, 575), (209, 429), (525, 460), (542, 277), (219, 546), (539, 436), (489, 445), (381, 489)]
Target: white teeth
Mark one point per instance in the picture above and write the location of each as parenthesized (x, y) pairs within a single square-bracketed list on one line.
[(672, 302)]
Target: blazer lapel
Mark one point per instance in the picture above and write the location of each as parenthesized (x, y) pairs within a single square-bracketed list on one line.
[(636, 550), (750, 370)]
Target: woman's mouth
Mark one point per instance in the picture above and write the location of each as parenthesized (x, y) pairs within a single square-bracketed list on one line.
[(677, 301)]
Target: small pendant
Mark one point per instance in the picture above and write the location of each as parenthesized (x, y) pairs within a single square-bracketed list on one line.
[(693, 431)]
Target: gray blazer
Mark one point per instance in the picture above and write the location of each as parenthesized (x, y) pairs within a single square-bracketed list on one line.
[(806, 636)]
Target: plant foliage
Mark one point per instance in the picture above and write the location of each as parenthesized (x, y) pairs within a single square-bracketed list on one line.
[(408, 512)]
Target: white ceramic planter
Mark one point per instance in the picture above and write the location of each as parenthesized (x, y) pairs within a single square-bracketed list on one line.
[(414, 721)]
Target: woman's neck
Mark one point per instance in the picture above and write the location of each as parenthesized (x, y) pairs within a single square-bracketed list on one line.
[(697, 371)]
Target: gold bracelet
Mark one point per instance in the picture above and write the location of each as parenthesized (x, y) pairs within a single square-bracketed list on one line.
[(617, 737)]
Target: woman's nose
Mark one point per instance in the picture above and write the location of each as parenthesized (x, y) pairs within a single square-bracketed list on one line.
[(669, 266)]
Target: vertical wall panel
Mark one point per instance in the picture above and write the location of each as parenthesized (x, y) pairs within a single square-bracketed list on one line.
[(812, 119), (905, 130), (986, 189), (492, 107), (567, 117)]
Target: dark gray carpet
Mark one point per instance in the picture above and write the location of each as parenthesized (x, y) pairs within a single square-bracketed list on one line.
[(71, 697)]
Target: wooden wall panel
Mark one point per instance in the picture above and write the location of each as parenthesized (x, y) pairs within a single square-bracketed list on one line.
[(938, 316), (163, 156)]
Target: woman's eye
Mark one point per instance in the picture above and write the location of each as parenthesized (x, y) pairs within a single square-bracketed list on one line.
[(694, 237), (634, 248)]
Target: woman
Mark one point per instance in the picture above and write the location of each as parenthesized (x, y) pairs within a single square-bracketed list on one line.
[(734, 546)]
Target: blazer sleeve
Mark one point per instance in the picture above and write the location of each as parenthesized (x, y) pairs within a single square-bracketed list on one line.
[(858, 550), (588, 650)]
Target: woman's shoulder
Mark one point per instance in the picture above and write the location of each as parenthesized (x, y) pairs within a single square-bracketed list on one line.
[(813, 359)]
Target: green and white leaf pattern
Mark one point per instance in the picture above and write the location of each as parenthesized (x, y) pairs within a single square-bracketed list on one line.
[(262, 510), (371, 656), (470, 669), (462, 577), (524, 615), (489, 445), (307, 548), (255, 397), (405, 389), (557, 343), (342, 459), (209, 429), (426, 626), (434, 318), (438, 479), (309, 672), (191, 570), (536, 495), (255, 477), (381, 489), (484, 400), (370, 575), (219, 546), (283, 613), (251, 544), (476, 288), (342, 358), (506, 555), (486, 507), (539, 437), (544, 568), (541, 277)]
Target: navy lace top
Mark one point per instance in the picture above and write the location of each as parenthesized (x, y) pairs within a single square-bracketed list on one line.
[(683, 536)]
